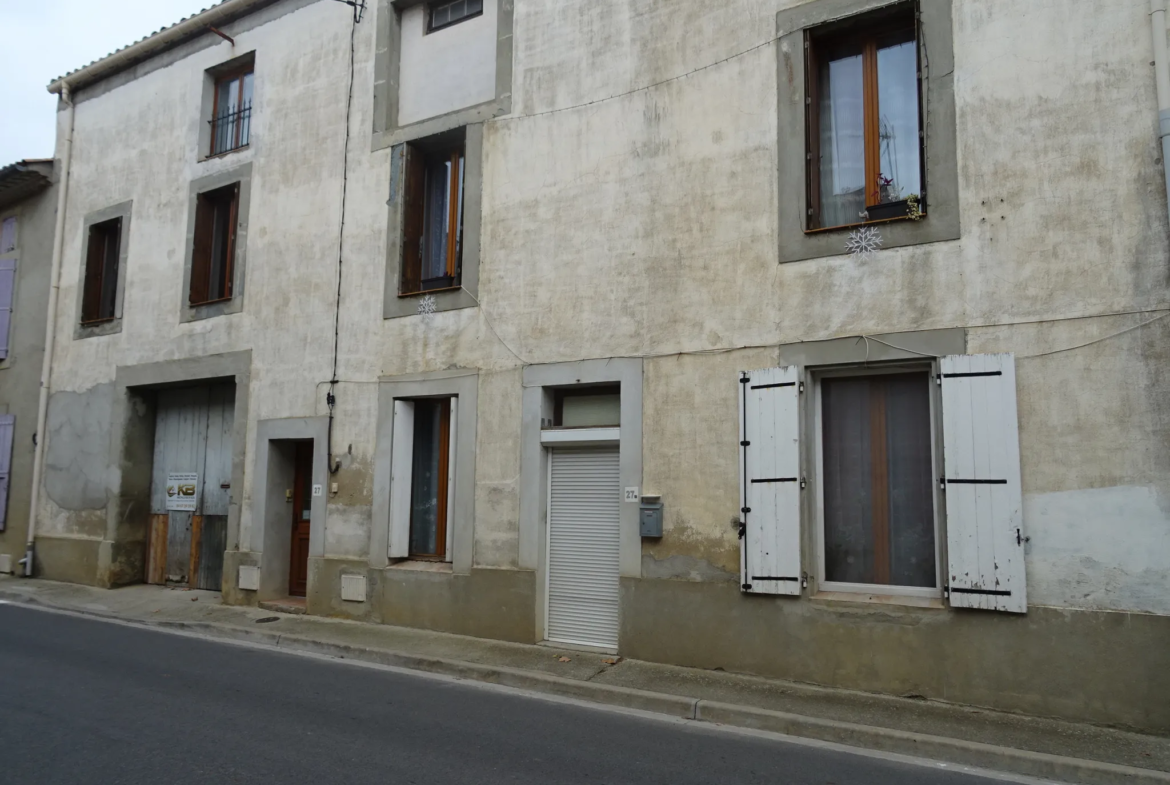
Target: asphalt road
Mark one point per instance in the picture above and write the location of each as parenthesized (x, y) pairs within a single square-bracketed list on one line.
[(85, 701)]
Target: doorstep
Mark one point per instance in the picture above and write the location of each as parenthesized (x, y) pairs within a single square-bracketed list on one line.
[(294, 605), (1032, 746)]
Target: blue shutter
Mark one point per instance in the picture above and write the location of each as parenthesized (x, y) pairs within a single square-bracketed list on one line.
[(7, 284), (7, 425)]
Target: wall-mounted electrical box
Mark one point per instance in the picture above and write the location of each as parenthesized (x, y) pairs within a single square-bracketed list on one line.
[(650, 517)]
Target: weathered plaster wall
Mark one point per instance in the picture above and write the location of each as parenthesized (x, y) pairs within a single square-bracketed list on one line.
[(645, 224), (20, 373)]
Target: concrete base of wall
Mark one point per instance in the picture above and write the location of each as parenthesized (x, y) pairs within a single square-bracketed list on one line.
[(232, 594), (485, 604), (1094, 666), (72, 560), (121, 563)]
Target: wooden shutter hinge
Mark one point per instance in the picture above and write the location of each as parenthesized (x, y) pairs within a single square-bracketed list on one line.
[(745, 443), (744, 379)]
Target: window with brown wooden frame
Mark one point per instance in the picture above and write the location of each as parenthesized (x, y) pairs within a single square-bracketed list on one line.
[(231, 116), (213, 250), (100, 285), (878, 480), (864, 129), (429, 478), (432, 233)]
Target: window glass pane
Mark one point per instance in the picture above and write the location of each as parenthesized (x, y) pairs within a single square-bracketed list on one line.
[(220, 247), (842, 142), (424, 497), (898, 140), (109, 291), (591, 411), (474, 7), (879, 506), (435, 217), (246, 111), (440, 16)]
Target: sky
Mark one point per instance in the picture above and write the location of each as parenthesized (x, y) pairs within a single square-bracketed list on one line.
[(44, 39)]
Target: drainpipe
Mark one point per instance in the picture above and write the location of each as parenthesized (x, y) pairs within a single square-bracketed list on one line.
[(50, 331), (1162, 76)]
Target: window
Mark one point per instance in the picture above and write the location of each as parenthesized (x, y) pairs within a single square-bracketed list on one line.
[(864, 129), (231, 117), (445, 14), (587, 407), (432, 236), (100, 286), (8, 234), (213, 252), (877, 477), (423, 476), (430, 465)]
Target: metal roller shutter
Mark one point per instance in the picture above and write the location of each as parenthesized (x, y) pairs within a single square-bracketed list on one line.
[(584, 533)]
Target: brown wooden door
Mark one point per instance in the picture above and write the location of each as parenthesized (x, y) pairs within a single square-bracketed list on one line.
[(298, 569)]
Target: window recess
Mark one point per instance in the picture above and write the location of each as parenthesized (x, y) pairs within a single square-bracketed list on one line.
[(213, 252), (445, 14), (100, 285), (432, 237), (231, 117), (877, 481), (863, 120), (422, 481)]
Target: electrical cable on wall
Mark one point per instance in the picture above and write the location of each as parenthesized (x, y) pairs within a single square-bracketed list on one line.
[(359, 7)]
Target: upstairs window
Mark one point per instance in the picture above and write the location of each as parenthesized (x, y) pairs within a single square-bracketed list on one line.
[(445, 14), (432, 237), (864, 124), (100, 295), (213, 253), (231, 118)]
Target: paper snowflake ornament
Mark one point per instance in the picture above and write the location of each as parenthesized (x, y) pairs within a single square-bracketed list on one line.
[(864, 242), (427, 307)]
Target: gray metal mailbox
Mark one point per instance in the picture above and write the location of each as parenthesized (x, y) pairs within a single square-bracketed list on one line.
[(651, 519)]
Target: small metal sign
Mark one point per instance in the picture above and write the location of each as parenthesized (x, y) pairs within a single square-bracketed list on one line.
[(632, 495), (318, 490), (182, 492)]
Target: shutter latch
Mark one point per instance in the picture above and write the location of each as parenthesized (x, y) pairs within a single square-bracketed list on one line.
[(803, 483), (742, 530), (1020, 540)]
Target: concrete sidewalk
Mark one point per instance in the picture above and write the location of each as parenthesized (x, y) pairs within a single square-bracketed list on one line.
[(1045, 748)]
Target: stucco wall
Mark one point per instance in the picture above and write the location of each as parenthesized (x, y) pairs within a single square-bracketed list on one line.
[(20, 373), (645, 224)]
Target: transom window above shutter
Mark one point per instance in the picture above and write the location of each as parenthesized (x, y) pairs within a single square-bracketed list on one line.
[(981, 456), (770, 481)]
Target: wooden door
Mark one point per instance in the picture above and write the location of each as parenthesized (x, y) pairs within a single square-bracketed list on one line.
[(298, 569)]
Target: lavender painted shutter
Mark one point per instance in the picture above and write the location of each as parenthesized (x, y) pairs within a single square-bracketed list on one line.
[(7, 424), (7, 284), (8, 235)]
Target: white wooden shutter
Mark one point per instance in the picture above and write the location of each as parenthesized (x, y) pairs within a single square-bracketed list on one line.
[(7, 425), (401, 465), (451, 481), (981, 458), (770, 481), (584, 525)]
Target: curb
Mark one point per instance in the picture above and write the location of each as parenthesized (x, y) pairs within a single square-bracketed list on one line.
[(956, 751)]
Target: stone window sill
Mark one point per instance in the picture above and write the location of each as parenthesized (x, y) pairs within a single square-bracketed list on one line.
[(419, 565), (891, 600)]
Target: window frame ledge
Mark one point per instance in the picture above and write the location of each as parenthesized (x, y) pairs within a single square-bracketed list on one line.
[(832, 595), (413, 564)]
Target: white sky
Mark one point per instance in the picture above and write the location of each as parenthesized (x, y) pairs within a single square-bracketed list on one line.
[(43, 39)]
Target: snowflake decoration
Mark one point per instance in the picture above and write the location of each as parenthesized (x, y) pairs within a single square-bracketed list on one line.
[(426, 309), (864, 242)]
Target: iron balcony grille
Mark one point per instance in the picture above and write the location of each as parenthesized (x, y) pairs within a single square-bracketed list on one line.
[(230, 130)]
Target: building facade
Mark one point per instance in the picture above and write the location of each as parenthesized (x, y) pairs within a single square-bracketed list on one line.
[(28, 202), (818, 340)]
